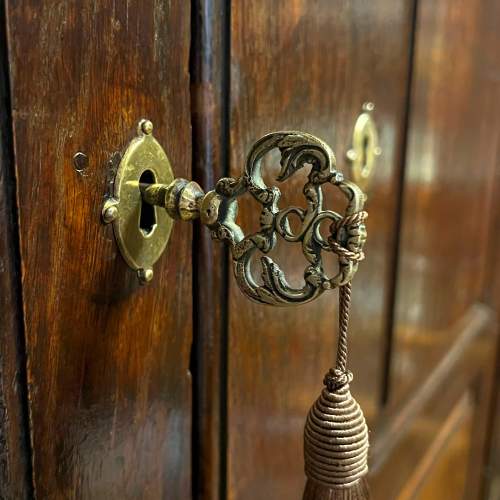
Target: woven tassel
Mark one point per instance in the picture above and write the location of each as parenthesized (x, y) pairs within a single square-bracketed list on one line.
[(336, 434), (336, 444), (315, 491)]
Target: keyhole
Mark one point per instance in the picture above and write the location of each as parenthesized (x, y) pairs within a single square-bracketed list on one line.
[(364, 157), (147, 219)]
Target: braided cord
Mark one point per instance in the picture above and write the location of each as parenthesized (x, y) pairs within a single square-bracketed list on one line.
[(344, 310), (339, 376), (351, 220)]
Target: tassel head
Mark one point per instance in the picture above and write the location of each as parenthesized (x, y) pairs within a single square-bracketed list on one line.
[(336, 443)]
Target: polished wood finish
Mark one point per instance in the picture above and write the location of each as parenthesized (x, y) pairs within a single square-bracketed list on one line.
[(492, 297), (208, 68), (15, 480), (309, 66), (96, 370), (14, 442), (411, 444), (452, 148), (443, 254), (452, 444), (108, 360)]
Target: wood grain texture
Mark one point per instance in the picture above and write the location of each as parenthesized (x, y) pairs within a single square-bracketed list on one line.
[(209, 103), (109, 387), (443, 263), (492, 297), (410, 448), (15, 480), (309, 65), (452, 150), (447, 457)]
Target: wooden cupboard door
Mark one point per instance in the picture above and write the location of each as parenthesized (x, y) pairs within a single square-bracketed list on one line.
[(109, 387), (449, 181), (309, 65), (444, 336)]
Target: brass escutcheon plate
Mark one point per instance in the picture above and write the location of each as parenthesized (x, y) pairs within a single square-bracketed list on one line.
[(365, 147), (141, 240)]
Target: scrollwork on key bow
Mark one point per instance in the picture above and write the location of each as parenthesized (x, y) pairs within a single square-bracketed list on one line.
[(219, 210)]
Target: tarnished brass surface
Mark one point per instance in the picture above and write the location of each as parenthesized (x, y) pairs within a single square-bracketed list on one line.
[(220, 208), (365, 147), (140, 248)]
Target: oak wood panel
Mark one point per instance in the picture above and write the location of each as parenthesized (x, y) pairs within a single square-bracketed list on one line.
[(15, 480), (309, 65), (452, 150), (109, 387)]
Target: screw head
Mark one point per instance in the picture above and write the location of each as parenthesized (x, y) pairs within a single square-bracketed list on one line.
[(352, 155), (368, 106), (110, 214), (147, 127), (145, 276), (80, 162)]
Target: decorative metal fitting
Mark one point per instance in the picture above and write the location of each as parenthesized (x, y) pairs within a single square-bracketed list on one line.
[(365, 147), (218, 209)]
